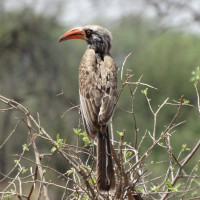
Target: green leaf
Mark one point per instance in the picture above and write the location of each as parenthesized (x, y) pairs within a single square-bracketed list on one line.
[(128, 154), (16, 161), (70, 171), (195, 76), (121, 134), (185, 148), (144, 91), (86, 140), (53, 149), (175, 188), (83, 134), (94, 179), (169, 186), (185, 102), (60, 142), (24, 170), (77, 131), (75, 195), (58, 137), (25, 147), (140, 190), (9, 196)]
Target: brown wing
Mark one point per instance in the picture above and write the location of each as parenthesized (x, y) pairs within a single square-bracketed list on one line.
[(109, 89), (98, 90)]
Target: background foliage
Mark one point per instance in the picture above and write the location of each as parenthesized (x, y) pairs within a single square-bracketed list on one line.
[(34, 68)]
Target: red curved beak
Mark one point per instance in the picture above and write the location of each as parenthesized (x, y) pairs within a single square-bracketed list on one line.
[(76, 33)]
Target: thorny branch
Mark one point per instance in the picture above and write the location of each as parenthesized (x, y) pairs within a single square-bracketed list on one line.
[(135, 176)]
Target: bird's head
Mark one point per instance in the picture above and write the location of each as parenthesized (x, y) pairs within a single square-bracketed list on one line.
[(97, 37)]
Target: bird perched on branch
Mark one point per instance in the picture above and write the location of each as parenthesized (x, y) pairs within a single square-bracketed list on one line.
[(98, 92)]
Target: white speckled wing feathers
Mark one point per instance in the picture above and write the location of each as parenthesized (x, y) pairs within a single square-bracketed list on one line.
[(98, 91)]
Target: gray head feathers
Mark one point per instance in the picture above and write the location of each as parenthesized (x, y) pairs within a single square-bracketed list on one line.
[(99, 39)]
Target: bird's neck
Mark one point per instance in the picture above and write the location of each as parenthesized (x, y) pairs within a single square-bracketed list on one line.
[(100, 48)]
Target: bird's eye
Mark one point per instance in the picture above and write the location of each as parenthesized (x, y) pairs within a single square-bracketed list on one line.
[(88, 33)]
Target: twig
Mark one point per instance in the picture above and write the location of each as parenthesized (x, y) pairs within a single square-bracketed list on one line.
[(140, 83), (160, 138), (122, 70), (198, 98), (37, 156), (10, 134), (33, 185), (181, 167)]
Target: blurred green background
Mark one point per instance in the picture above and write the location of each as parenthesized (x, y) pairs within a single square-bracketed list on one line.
[(34, 68)]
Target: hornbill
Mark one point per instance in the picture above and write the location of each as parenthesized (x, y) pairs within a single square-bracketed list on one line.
[(98, 92)]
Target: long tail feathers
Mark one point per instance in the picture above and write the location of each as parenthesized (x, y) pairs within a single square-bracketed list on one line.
[(105, 171)]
